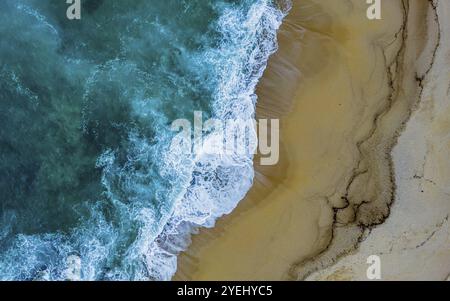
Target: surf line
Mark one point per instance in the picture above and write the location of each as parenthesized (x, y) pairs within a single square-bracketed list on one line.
[(228, 137), (195, 292)]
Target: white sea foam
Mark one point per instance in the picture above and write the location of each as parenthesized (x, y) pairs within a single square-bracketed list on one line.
[(219, 182), (214, 183)]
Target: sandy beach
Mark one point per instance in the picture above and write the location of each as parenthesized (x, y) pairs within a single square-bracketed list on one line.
[(343, 87), (413, 243), (128, 133)]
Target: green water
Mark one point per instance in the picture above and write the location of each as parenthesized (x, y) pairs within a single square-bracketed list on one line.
[(85, 114)]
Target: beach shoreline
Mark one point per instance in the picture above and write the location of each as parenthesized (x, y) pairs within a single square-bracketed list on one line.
[(343, 87)]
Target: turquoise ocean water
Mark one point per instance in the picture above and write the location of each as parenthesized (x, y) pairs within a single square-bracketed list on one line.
[(86, 168)]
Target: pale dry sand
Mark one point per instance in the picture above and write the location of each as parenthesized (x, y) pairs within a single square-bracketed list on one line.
[(414, 243), (343, 87)]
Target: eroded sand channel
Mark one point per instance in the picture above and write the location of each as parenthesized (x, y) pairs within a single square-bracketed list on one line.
[(343, 87)]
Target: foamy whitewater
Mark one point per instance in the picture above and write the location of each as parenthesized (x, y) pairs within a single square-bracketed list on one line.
[(90, 186)]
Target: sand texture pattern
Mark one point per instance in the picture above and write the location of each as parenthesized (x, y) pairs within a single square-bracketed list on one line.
[(364, 112)]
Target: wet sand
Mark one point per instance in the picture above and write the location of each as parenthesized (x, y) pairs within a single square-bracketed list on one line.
[(343, 87), (414, 243)]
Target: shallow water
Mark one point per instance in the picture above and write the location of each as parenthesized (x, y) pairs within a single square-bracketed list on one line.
[(85, 112)]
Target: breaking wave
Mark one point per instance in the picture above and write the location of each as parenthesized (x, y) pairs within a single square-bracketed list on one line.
[(86, 108)]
